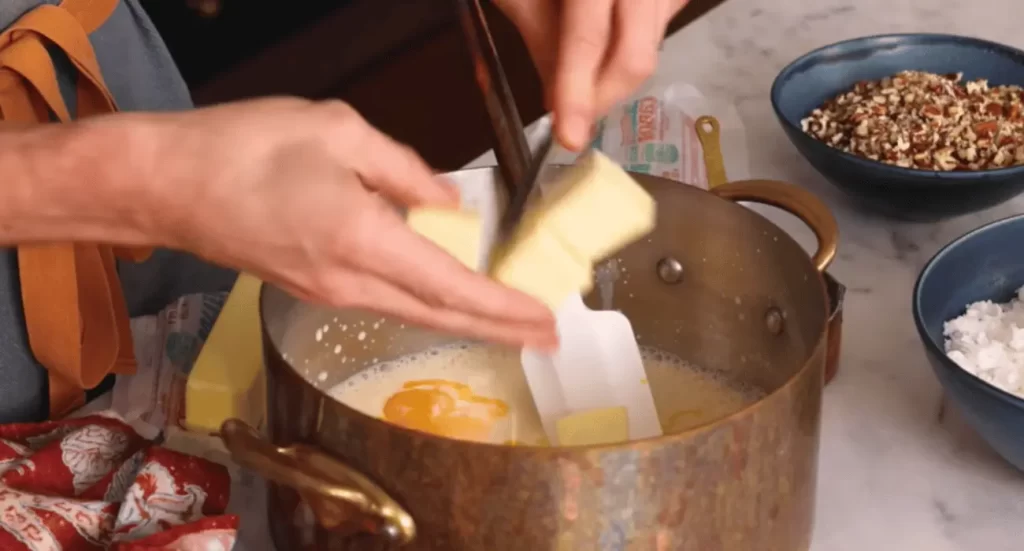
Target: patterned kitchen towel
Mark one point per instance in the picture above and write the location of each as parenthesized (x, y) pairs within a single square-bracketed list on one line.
[(93, 483)]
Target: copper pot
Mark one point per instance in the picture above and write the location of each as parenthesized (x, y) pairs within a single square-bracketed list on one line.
[(716, 284)]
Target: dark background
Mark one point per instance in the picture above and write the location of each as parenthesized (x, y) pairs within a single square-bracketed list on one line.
[(401, 63)]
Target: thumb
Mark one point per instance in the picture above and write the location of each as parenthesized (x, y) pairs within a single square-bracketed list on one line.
[(586, 33)]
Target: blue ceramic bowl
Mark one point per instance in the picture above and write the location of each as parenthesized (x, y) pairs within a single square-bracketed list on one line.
[(983, 264), (906, 193)]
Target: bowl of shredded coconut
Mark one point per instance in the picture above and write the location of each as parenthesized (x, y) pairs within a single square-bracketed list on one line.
[(969, 309), (988, 342)]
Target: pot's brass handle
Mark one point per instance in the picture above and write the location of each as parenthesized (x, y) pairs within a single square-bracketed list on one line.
[(798, 202), (711, 144), (332, 489)]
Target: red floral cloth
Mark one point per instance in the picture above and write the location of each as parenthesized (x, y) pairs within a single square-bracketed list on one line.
[(93, 483)]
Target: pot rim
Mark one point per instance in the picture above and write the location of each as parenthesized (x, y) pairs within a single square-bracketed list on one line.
[(643, 444)]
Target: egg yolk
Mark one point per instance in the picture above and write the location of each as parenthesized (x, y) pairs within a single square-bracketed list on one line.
[(445, 408), (681, 420)]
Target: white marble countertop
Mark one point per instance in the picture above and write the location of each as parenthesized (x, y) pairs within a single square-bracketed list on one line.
[(898, 470)]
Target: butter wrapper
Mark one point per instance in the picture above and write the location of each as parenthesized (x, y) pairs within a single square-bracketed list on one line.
[(166, 346), (653, 132)]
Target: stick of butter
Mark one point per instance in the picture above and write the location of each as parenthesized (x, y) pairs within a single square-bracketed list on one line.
[(594, 427), (227, 379), (594, 209), (534, 261), (458, 232), (538, 264)]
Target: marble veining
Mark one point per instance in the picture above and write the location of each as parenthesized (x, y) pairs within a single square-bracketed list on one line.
[(899, 469)]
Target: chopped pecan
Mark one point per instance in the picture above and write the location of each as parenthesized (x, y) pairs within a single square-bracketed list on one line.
[(994, 109), (985, 129), (926, 121)]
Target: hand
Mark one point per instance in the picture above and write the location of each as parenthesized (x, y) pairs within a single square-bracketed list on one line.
[(591, 54), (304, 195)]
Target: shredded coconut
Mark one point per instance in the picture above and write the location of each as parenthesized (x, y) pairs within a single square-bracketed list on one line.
[(988, 342)]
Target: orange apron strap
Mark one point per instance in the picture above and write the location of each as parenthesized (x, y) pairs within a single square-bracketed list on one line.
[(74, 307), (30, 61), (90, 14), (82, 275), (49, 320), (124, 361), (99, 316), (16, 104), (58, 25)]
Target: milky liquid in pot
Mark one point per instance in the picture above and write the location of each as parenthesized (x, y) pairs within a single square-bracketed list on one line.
[(476, 392)]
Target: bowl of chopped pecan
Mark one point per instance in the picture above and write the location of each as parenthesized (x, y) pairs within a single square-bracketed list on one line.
[(919, 126)]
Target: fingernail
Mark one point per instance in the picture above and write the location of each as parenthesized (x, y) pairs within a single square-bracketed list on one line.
[(451, 189), (574, 132), (548, 345)]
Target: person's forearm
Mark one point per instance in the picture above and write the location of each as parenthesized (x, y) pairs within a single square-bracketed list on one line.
[(82, 182)]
